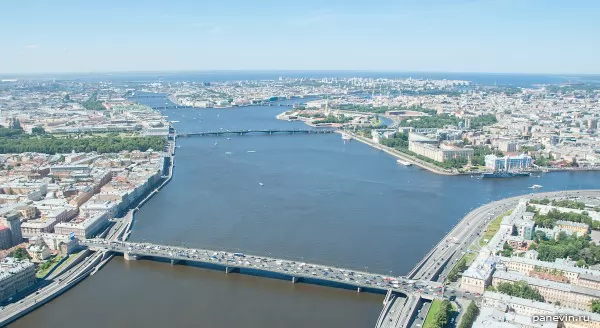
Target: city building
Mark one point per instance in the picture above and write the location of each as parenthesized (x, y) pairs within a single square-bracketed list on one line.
[(507, 146), (560, 270), (38, 252), (12, 221), (15, 276), (518, 312), (508, 163), (440, 153), (36, 227), (479, 274), (62, 244), (567, 295), (5, 237), (577, 228), (83, 227)]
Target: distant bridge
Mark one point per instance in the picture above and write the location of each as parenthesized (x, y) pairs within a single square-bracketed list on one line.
[(171, 107), (185, 107), (256, 132), (135, 95)]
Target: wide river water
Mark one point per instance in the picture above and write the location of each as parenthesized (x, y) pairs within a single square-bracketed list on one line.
[(314, 198)]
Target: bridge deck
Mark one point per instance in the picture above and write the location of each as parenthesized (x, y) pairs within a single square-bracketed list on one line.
[(265, 131), (294, 270)]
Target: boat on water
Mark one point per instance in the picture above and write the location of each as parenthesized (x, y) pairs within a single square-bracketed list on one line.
[(346, 137), (261, 184), (228, 153), (405, 163), (251, 151), (505, 174), (536, 186), (174, 121)]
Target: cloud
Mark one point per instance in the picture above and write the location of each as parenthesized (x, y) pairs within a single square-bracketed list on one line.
[(31, 46)]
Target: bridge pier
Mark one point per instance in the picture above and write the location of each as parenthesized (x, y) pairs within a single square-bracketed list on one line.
[(358, 289), (174, 261), (294, 280), (130, 257), (229, 270)]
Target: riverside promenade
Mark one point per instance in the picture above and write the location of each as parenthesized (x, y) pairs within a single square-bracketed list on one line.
[(405, 157)]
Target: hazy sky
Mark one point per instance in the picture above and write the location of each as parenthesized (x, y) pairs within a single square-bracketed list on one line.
[(533, 36)]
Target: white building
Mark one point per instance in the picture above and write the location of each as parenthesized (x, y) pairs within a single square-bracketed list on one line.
[(83, 227), (508, 163)]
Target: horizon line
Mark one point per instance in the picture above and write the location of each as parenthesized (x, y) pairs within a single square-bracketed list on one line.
[(30, 74)]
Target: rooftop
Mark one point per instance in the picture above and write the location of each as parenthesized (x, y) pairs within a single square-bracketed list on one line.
[(510, 276)]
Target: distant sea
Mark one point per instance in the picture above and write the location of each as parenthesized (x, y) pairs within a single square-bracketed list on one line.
[(520, 80)]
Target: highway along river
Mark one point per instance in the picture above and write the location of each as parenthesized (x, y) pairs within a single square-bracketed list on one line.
[(306, 197)]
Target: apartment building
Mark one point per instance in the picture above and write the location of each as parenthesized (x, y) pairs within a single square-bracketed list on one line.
[(556, 271), (15, 276), (83, 227), (577, 228), (479, 275), (515, 307), (567, 295)]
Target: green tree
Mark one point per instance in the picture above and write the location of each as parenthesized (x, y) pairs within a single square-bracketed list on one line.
[(596, 306), (51, 145), (457, 270), (93, 103), (38, 130), (442, 317), (470, 316), (20, 253), (520, 289), (507, 250)]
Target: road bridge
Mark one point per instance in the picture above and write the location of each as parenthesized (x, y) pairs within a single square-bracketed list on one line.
[(255, 132), (294, 271), (145, 96), (400, 313), (171, 107)]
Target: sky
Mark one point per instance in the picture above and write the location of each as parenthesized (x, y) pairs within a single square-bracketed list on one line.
[(501, 36)]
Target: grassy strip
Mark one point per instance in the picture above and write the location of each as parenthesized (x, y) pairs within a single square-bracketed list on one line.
[(465, 261), (431, 315), (67, 261), (492, 228), (45, 267)]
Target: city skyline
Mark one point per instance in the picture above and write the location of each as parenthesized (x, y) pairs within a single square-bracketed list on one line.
[(534, 37)]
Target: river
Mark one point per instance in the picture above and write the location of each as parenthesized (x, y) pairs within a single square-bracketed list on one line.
[(313, 198)]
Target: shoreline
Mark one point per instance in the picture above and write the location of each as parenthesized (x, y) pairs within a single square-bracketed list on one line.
[(418, 162), (390, 151), (399, 155)]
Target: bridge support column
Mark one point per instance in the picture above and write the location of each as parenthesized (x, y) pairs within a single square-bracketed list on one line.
[(294, 280), (174, 261), (130, 257), (358, 289), (228, 270)]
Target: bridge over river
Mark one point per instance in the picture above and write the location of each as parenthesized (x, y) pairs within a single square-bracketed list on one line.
[(293, 271), (255, 132)]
